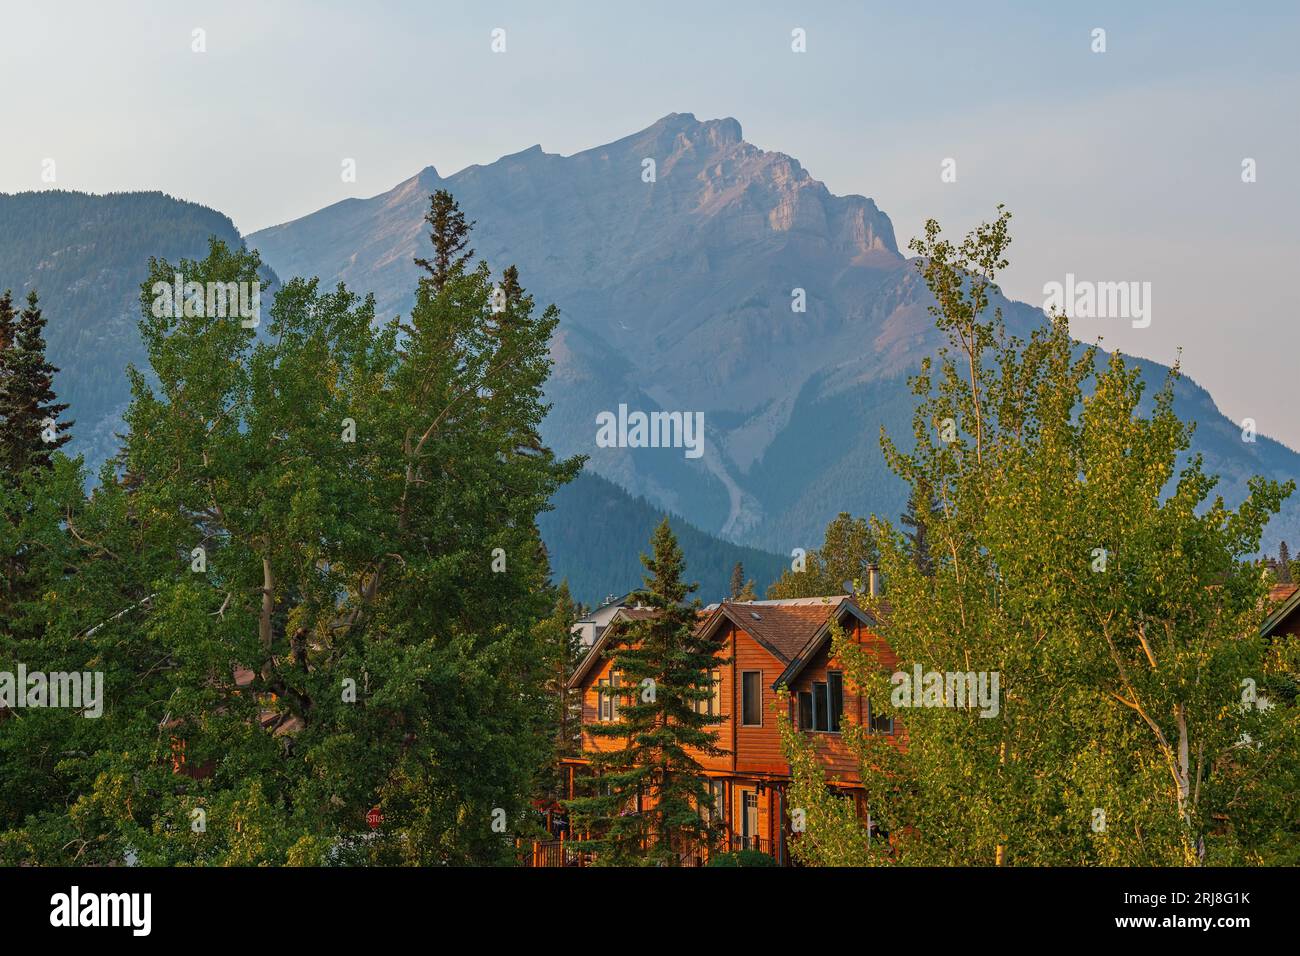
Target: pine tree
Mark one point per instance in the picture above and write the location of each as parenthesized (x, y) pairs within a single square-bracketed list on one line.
[(30, 431), (1283, 564), (563, 649), (8, 319), (737, 581), (8, 360), (648, 791), (449, 234)]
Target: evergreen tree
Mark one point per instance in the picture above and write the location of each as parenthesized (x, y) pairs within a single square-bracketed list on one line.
[(8, 332), (844, 556), (313, 581), (449, 234), (30, 431), (563, 649), (649, 791), (737, 580), (1284, 564)]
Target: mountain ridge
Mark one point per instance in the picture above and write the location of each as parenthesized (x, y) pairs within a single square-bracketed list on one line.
[(677, 294)]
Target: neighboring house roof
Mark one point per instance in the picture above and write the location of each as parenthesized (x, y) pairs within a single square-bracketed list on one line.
[(1284, 599), (821, 638), (593, 655), (783, 627), (790, 630)]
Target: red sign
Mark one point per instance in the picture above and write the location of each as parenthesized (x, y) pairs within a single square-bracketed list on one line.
[(375, 817)]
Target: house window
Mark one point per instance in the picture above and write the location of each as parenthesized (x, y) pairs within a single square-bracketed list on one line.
[(879, 723), (712, 810), (805, 710), (604, 702), (607, 696), (835, 700), (822, 708), (751, 691), (711, 706)]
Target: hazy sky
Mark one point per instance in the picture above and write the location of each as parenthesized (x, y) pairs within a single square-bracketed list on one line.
[(1118, 166)]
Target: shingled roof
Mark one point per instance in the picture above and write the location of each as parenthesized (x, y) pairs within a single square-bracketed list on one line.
[(783, 627), (789, 629)]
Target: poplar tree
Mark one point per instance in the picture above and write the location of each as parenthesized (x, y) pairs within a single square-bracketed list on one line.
[(1081, 556), (650, 801)]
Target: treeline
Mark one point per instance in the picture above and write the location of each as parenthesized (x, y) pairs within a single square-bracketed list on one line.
[(597, 532)]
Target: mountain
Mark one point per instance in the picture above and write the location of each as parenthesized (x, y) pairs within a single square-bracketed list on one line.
[(676, 295), (86, 256), (597, 533)]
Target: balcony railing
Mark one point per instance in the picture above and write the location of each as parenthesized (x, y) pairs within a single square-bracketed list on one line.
[(739, 842)]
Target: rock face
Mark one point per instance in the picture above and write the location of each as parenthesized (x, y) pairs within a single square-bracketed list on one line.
[(677, 294)]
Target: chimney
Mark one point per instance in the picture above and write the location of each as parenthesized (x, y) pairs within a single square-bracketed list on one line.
[(873, 580)]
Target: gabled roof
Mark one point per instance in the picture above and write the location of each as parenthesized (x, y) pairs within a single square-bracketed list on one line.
[(593, 654), (785, 628), (821, 637), (782, 627), (1287, 597)]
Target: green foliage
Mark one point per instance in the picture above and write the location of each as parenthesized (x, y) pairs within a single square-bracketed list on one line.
[(360, 627), (742, 858), (849, 548), (30, 430), (647, 791), (86, 254), (1111, 592), (830, 834), (562, 650)]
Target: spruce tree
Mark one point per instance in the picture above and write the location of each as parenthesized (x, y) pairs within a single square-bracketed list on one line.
[(737, 581), (30, 431), (562, 648), (449, 234), (8, 359), (1284, 564), (648, 792)]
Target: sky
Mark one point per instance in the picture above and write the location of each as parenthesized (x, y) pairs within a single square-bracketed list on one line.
[(1122, 165)]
